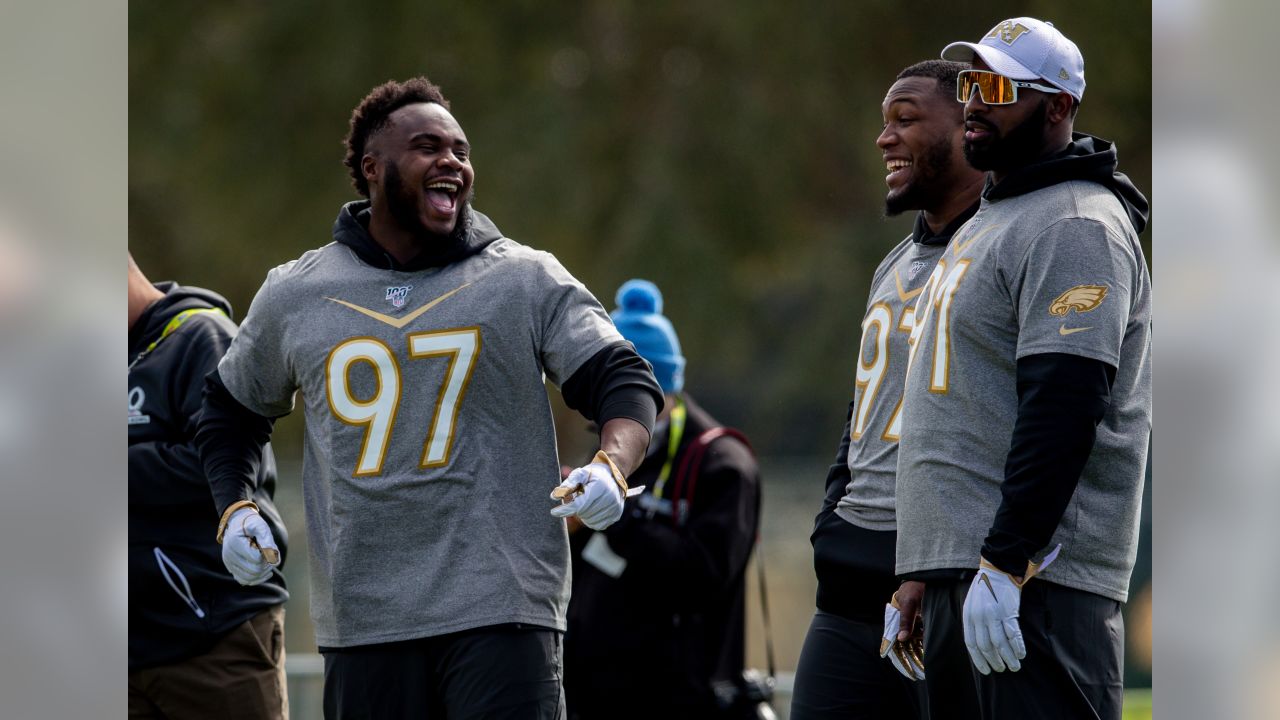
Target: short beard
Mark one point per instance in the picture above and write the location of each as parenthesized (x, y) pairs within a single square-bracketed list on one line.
[(1020, 146), (402, 201), (926, 188)]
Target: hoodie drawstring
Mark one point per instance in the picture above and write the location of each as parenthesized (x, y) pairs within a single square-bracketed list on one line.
[(185, 591)]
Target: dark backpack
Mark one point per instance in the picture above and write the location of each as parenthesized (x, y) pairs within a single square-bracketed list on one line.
[(750, 695)]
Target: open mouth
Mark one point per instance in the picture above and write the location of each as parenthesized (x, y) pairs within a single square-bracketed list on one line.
[(897, 171), (443, 195), (975, 131)]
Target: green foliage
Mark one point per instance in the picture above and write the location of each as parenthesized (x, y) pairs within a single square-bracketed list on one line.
[(723, 149)]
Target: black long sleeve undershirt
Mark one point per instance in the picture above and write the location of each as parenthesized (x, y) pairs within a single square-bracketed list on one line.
[(615, 382), (1061, 400), (230, 438), (838, 475)]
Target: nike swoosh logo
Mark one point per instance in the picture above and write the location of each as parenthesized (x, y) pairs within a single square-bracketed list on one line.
[(400, 322), (1064, 330)]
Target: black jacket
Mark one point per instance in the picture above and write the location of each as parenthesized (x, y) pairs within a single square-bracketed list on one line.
[(651, 642), (182, 600)]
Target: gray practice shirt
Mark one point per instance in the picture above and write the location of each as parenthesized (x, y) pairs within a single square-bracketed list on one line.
[(1056, 270), (430, 451), (882, 364)]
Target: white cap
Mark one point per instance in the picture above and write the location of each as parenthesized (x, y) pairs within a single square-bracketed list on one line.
[(1025, 48)]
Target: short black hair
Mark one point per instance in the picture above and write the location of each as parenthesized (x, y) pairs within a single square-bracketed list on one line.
[(371, 115), (944, 71)]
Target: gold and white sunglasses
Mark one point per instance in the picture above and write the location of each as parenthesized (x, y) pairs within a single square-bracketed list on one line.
[(995, 89)]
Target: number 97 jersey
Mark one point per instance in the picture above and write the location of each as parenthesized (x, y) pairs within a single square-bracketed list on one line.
[(429, 448), (876, 422)]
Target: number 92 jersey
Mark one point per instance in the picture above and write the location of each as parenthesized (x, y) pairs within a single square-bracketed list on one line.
[(429, 449), (876, 423)]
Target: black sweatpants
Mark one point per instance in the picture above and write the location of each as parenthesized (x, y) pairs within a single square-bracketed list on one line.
[(949, 674), (1074, 663), (503, 671), (841, 674)]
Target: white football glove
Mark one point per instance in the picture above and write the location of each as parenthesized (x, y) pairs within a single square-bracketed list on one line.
[(246, 545), (991, 630), (907, 656), (599, 502)]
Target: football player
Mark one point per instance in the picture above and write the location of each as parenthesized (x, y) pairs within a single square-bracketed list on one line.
[(840, 672), (420, 339), (1027, 410)]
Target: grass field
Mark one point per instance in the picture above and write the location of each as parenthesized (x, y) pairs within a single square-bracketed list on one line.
[(1137, 704)]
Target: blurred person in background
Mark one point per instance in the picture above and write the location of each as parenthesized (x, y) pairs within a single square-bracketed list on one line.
[(656, 619), (1215, 169), (421, 339), (841, 673), (201, 645), (1027, 409)]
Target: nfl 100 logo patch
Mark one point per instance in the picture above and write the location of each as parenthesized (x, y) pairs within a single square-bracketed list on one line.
[(397, 295)]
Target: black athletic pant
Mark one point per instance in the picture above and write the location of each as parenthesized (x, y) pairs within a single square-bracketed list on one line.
[(1074, 664), (841, 674), (503, 671), (952, 690)]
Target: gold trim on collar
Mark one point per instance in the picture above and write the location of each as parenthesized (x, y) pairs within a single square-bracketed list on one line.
[(955, 250), (397, 323), (903, 295)]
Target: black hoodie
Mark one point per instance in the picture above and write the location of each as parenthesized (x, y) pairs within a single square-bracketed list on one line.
[(351, 228), (182, 600), (1085, 158)]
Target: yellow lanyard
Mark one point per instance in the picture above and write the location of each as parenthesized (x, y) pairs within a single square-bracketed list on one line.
[(678, 415), (174, 323)]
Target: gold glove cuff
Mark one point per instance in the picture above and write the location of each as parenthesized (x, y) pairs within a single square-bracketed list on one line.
[(602, 457), (231, 509), (1032, 570)]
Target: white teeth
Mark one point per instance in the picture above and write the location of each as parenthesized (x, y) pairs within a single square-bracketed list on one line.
[(446, 186), (893, 165)]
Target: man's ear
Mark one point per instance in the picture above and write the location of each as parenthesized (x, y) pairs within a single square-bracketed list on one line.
[(1059, 109), (369, 168)]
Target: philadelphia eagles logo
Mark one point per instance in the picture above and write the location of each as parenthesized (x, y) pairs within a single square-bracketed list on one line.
[(1081, 298)]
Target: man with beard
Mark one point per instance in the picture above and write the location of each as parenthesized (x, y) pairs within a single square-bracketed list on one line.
[(420, 339), (1027, 409), (840, 673)]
